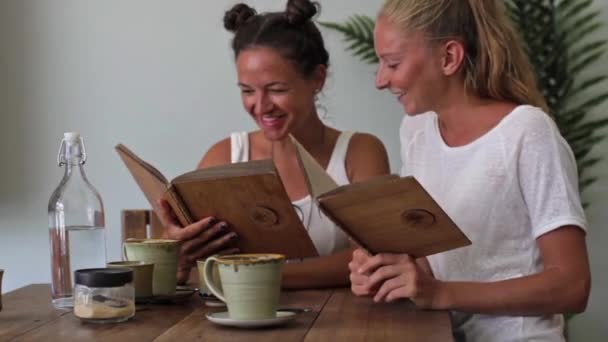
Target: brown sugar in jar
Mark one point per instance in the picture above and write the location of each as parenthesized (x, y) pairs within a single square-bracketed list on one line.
[(104, 295)]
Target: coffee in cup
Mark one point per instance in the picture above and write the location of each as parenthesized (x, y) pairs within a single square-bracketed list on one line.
[(250, 283), (163, 254), (142, 276)]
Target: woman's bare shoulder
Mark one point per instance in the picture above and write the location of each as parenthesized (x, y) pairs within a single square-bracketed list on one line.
[(218, 154), (366, 157)]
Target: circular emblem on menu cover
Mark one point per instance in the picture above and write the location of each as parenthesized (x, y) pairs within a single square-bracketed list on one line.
[(264, 216), (418, 218)]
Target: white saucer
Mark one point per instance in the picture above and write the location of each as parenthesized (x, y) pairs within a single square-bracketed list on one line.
[(211, 300), (222, 318), (215, 303)]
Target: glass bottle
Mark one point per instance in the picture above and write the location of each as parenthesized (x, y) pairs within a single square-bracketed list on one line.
[(76, 222)]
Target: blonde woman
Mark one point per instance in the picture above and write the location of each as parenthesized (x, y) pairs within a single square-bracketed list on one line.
[(478, 137)]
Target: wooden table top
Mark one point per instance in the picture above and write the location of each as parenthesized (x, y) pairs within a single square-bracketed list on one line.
[(337, 315)]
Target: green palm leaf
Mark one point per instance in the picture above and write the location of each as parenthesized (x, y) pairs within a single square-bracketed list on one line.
[(358, 31), (580, 32), (572, 10), (585, 85)]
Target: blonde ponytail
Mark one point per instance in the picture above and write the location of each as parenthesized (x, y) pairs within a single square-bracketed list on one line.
[(496, 64), (503, 70)]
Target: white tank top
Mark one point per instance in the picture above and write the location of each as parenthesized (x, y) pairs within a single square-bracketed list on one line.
[(327, 238)]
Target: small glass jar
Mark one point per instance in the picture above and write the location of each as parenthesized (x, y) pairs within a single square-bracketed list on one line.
[(104, 295)]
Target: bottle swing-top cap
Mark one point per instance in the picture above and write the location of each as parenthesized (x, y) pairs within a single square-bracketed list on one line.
[(71, 136)]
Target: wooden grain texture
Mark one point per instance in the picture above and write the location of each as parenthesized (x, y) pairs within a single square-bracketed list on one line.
[(152, 183), (248, 195), (393, 215), (149, 322), (134, 224), (337, 316), (197, 328), (255, 205), (26, 309), (156, 227), (351, 319)]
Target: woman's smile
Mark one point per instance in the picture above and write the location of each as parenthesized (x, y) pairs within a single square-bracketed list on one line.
[(272, 121)]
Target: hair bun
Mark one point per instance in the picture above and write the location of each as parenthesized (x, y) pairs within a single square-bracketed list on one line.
[(237, 16), (300, 11)]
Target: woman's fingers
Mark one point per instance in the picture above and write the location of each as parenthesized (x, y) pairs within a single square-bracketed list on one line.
[(383, 259), (212, 246), (199, 239), (358, 279), (360, 256), (361, 285), (175, 230), (204, 236), (360, 288), (360, 291), (390, 271), (369, 273), (398, 293), (395, 288), (381, 275), (194, 230)]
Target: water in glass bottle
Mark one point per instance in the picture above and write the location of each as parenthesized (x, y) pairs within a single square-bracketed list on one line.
[(76, 222)]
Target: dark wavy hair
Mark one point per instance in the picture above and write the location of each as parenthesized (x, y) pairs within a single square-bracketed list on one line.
[(291, 33)]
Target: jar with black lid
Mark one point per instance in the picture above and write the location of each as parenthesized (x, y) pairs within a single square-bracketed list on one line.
[(104, 295)]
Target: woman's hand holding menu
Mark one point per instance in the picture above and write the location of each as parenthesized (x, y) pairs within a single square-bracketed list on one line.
[(199, 240)]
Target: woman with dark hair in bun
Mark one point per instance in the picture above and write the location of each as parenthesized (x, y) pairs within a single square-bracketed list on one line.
[(282, 65)]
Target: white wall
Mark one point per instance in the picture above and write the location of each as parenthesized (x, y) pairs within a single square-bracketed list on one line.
[(155, 75), (159, 77)]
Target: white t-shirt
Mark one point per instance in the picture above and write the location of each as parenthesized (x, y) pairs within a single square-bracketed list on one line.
[(325, 235), (505, 189)]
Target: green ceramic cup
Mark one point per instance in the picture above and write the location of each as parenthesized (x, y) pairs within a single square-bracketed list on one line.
[(163, 254), (203, 289), (142, 276), (251, 284)]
